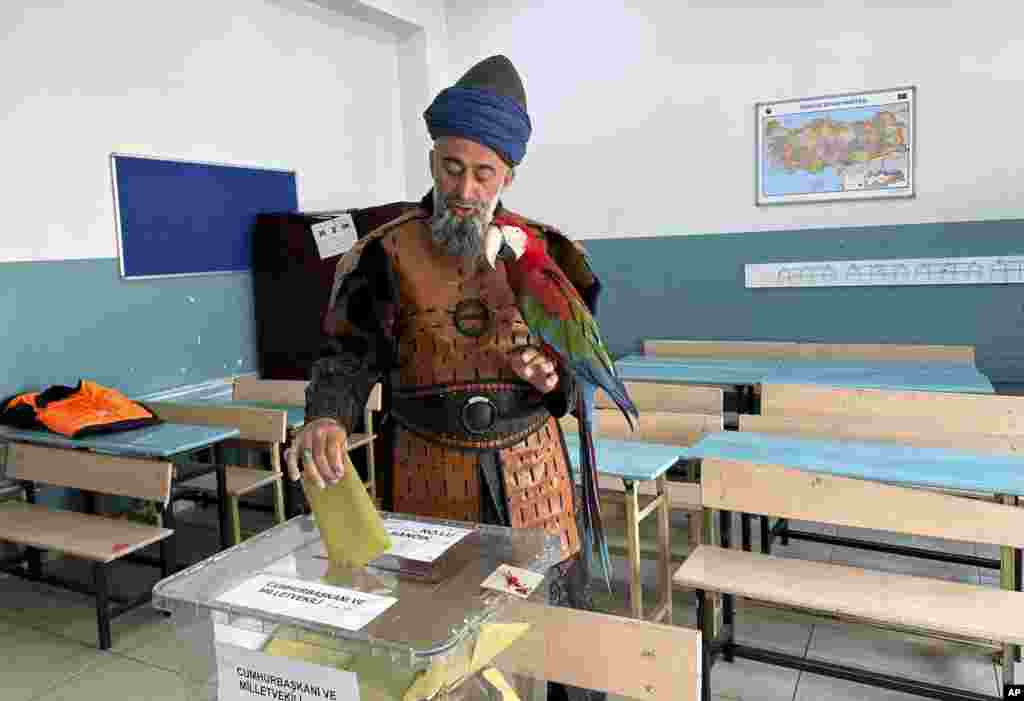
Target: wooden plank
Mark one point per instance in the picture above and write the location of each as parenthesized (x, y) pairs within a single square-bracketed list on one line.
[(636, 592), (694, 529), (950, 411), (713, 610), (91, 537), (664, 523), (242, 480), (684, 496), (638, 660), (79, 469), (922, 432), (163, 440), (275, 465), (886, 351), (649, 507), (758, 350), (247, 446), (254, 423), (972, 611), (800, 495), (678, 429), (809, 351), (744, 603), (374, 401), (655, 396), (284, 392), (357, 440), (666, 427)]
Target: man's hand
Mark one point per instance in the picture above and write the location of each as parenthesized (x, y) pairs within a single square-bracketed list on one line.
[(535, 367), (320, 445)]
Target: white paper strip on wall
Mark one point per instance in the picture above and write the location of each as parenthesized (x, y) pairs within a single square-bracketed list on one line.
[(998, 270)]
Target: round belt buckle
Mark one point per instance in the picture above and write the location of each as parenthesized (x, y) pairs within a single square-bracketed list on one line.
[(479, 414)]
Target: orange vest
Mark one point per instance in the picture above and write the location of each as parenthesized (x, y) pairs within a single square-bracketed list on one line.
[(78, 411)]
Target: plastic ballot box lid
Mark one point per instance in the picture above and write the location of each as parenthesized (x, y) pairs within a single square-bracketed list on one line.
[(271, 616)]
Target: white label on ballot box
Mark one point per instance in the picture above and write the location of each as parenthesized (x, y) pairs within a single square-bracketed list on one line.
[(311, 601), (424, 542), (335, 236), (245, 675)]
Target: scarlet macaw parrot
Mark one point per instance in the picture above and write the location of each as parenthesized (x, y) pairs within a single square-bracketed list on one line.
[(554, 312)]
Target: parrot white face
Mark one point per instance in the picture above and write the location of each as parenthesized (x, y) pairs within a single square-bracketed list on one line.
[(507, 241)]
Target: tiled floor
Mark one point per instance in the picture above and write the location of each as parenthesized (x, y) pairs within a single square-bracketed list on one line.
[(48, 637)]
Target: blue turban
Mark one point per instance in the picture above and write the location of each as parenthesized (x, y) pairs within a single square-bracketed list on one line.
[(487, 106)]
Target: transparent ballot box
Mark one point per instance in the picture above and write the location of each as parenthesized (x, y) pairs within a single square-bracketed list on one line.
[(270, 619)]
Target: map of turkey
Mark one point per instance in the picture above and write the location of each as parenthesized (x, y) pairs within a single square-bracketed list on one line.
[(838, 150)]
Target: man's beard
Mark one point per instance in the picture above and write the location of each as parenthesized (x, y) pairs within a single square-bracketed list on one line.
[(462, 237)]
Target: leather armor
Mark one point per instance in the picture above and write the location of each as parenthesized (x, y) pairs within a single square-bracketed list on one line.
[(455, 401)]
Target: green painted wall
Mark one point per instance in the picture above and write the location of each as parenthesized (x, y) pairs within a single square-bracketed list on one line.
[(691, 287), (69, 319)]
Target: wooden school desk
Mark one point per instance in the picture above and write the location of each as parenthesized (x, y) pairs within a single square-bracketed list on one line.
[(260, 429), (996, 477), (268, 413), (636, 463), (741, 367), (754, 462), (163, 441), (738, 373)]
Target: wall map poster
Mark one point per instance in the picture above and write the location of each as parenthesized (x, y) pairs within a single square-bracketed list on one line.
[(840, 147)]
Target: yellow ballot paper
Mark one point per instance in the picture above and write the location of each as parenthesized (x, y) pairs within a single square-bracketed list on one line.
[(309, 652), (350, 525), (493, 639), (378, 678), (498, 681)]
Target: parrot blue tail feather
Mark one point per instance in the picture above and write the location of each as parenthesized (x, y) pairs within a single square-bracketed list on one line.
[(593, 531), (597, 375)]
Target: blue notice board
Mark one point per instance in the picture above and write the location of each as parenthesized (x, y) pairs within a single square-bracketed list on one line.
[(188, 218)]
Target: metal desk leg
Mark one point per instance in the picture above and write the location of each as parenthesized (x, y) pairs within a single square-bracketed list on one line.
[(222, 498), (100, 582), (33, 555), (728, 601), (633, 550), (169, 545), (745, 530), (707, 628), (713, 600), (1008, 579), (1016, 571), (664, 611)]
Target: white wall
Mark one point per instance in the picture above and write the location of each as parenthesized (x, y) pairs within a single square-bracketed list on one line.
[(643, 111), (277, 83), (428, 17), (420, 28)]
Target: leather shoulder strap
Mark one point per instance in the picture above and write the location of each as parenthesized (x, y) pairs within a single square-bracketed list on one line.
[(350, 261)]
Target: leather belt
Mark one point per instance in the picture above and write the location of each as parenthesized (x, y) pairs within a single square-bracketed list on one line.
[(478, 414)]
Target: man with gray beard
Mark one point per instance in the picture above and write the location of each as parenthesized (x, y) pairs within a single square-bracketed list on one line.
[(474, 403), (461, 237)]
